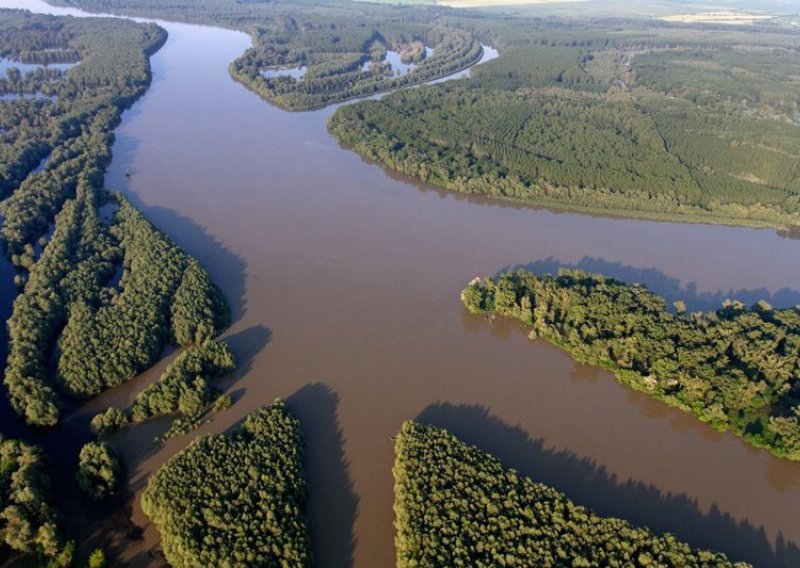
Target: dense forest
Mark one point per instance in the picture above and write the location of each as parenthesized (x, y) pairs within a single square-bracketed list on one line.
[(457, 506), (607, 116), (103, 334), (100, 332), (69, 126), (101, 291), (627, 123), (184, 388), (345, 59), (735, 368), (235, 500)]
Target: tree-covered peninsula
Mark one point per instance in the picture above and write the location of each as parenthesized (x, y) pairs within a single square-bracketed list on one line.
[(656, 122), (102, 293), (235, 500), (458, 506), (735, 368)]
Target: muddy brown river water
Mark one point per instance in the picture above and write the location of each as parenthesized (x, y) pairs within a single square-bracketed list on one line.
[(344, 283)]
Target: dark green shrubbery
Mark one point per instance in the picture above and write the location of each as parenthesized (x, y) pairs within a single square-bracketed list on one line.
[(27, 521), (101, 333), (184, 388), (98, 470), (697, 127)]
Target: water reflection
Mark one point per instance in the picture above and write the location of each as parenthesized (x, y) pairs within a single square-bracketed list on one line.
[(668, 287), (334, 503), (296, 73), (6, 64)]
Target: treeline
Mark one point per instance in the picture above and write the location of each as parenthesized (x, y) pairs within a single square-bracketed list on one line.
[(734, 368), (73, 126), (97, 332), (333, 40), (184, 388), (235, 500), (744, 80), (457, 506)]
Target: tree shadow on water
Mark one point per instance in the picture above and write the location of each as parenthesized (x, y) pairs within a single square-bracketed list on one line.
[(245, 345), (226, 268), (333, 503), (668, 287), (588, 483), (111, 526)]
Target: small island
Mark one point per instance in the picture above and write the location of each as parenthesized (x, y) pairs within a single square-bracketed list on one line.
[(733, 368)]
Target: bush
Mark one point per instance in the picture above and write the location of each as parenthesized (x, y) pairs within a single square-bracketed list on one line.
[(98, 471)]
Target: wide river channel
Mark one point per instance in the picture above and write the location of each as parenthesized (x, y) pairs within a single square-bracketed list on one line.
[(344, 283)]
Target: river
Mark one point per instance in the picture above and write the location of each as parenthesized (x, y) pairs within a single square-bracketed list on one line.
[(344, 283)]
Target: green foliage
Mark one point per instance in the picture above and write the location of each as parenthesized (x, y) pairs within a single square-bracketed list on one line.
[(27, 521), (184, 388), (100, 333), (222, 403), (342, 45), (97, 559), (163, 293), (108, 421), (335, 55), (98, 471), (65, 557), (744, 79), (735, 368), (235, 500), (73, 133), (601, 119), (457, 506), (104, 335)]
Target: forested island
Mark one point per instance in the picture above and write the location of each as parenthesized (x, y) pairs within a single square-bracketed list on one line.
[(346, 59), (660, 122), (307, 56), (734, 368), (235, 499), (458, 506)]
